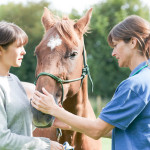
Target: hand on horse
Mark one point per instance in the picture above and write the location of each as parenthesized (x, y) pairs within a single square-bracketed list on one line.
[(44, 102), (56, 146)]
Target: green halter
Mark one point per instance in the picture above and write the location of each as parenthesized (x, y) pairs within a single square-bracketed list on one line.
[(85, 71)]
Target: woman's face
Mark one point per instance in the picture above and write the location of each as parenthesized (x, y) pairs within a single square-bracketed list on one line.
[(13, 55), (123, 53)]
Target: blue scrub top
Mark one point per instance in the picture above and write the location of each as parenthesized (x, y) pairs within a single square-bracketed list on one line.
[(129, 111)]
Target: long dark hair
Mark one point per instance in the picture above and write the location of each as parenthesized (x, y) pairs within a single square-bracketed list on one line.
[(9, 33), (132, 26)]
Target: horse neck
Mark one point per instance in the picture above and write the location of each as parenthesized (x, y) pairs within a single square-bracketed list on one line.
[(79, 104)]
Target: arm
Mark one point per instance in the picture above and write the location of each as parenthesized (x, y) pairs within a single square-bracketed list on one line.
[(93, 128), (108, 135), (59, 124), (9, 140)]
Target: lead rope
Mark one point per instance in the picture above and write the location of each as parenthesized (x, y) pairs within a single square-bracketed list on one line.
[(86, 70), (58, 134)]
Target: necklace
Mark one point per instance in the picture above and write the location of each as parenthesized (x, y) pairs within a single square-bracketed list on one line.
[(140, 70)]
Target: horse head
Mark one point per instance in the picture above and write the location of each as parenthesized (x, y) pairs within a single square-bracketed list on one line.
[(60, 60)]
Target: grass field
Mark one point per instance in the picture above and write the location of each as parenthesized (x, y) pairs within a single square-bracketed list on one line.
[(97, 105), (106, 144)]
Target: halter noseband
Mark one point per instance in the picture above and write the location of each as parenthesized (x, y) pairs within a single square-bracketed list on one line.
[(85, 71)]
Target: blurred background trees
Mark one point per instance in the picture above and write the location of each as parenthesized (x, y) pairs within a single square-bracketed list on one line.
[(104, 69)]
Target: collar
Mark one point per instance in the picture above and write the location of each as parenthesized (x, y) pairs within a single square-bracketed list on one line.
[(139, 67)]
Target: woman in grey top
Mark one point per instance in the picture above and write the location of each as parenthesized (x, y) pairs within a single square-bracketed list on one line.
[(15, 114)]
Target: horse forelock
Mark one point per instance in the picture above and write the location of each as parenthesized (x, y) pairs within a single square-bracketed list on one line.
[(65, 28)]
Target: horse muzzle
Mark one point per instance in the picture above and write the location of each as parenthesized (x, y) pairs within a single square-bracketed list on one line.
[(41, 120)]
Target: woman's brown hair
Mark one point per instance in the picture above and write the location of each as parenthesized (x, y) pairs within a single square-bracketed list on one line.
[(132, 26), (9, 33)]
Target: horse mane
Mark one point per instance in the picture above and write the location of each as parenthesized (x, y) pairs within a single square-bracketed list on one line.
[(65, 28)]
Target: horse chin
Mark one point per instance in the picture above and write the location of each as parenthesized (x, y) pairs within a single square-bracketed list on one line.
[(42, 120)]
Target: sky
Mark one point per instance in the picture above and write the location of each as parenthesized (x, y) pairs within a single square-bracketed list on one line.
[(62, 5), (67, 5)]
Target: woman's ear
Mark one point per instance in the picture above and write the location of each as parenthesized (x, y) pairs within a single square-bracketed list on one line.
[(133, 42), (0, 50)]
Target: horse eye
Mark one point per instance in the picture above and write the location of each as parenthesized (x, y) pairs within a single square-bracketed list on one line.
[(73, 54)]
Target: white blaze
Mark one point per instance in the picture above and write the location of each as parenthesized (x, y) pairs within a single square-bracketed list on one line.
[(54, 41)]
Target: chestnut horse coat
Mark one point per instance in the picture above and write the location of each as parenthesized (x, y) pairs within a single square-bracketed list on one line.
[(60, 53)]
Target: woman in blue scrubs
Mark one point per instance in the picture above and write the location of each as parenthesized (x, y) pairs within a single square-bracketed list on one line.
[(127, 116)]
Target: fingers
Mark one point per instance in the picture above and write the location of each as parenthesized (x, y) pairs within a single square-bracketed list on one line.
[(45, 91), (36, 97), (60, 147), (36, 100), (56, 146), (39, 94), (42, 95), (34, 105), (39, 107), (60, 105), (37, 103), (42, 102)]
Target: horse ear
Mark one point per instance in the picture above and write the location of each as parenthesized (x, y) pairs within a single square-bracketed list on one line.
[(82, 23), (48, 19)]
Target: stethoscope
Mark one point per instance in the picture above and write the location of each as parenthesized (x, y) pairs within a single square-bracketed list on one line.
[(141, 69)]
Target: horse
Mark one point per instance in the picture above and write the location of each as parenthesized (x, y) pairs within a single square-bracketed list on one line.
[(61, 69)]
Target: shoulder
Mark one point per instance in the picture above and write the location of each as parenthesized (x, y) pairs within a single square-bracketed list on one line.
[(14, 77), (139, 84), (138, 80)]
